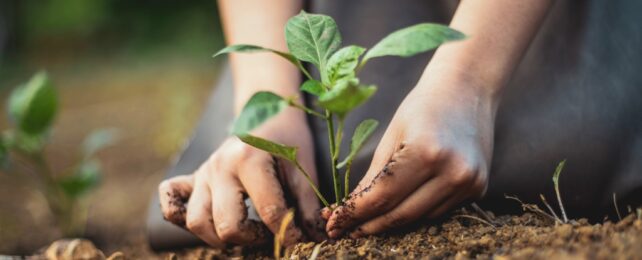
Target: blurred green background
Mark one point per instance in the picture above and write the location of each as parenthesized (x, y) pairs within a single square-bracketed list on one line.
[(143, 67)]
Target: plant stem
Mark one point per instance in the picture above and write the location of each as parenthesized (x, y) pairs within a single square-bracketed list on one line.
[(346, 181), (331, 137), (305, 72), (339, 137), (293, 103), (312, 184), (556, 177)]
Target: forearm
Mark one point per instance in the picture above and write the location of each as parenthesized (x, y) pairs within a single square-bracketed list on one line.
[(499, 32), (260, 23)]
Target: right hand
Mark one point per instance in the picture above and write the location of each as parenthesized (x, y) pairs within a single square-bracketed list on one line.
[(210, 202)]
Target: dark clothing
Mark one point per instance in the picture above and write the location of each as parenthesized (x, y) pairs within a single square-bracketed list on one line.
[(576, 95)]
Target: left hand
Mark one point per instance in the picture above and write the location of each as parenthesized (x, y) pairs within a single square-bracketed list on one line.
[(435, 154)]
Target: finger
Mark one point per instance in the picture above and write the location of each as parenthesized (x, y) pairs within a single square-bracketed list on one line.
[(230, 214), (199, 214), (405, 171), (473, 192), (173, 193), (425, 199), (432, 199), (327, 212), (259, 179)]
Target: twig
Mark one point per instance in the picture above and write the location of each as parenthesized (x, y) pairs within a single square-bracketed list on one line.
[(476, 218), (556, 182), (483, 213), (557, 219), (617, 209), (531, 207)]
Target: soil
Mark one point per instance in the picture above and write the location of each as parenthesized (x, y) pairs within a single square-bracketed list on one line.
[(462, 235)]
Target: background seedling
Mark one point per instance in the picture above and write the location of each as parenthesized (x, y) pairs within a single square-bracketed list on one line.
[(315, 39), (32, 108), (556, 182)]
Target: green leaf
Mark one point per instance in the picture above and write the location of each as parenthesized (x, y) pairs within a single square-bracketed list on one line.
[(254, 48), (276, 149), (33, 106), (262, 106), (413, 40), (345, 96), (312, 38), (97, 140), (558, 171), (361, 134), (85, 177), (313, 87), (343, 62), (26, 143)]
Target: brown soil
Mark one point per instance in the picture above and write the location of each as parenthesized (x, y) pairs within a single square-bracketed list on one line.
[(528, 236), (463, 235)]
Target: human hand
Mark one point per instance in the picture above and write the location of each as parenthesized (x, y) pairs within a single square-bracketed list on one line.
[(210, 202), (435, 154)]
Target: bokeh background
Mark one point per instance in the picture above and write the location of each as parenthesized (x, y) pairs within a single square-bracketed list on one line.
[(143, 67)]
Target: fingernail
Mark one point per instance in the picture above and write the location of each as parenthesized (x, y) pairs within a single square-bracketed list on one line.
[(325, 213), (334, 234)]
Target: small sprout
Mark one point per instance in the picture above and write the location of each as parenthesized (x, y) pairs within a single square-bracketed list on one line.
[(280, 236), (315, 39), (32, 108), (617, 209), (556, 182)]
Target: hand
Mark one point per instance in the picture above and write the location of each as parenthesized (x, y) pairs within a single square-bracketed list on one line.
[(435, 154), (210, 202)]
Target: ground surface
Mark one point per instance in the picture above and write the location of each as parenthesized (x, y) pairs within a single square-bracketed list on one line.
[(462, 235)]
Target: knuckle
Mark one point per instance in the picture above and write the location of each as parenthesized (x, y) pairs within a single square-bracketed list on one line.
[(228, 232), (392, 220), (461, 178), (272, 215), (195, 225), (481, 186), (165, 186), (432, 154), (379, 203)]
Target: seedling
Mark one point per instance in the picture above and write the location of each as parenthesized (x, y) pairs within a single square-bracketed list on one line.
[(32, 108), (315, 39)]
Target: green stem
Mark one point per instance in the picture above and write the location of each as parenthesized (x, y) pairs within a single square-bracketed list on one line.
[(333, 157), (346, 180), (293, 103), (360, 66), (61, 206), (305, 72), (312, 184), (339, 137)]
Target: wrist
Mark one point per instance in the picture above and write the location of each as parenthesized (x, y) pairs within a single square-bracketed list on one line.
[(460, 81)]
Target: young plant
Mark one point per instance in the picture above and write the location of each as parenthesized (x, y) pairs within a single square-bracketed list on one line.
[(32, 108), (315, 39)]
